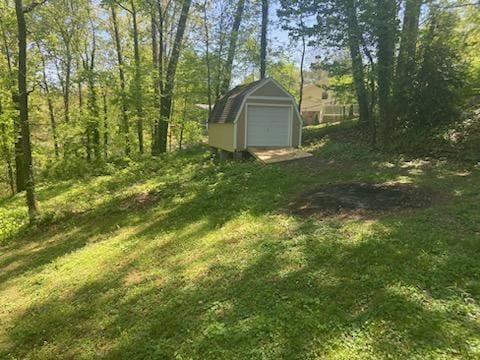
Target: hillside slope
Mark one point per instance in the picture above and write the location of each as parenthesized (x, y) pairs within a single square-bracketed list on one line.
[(181, 257)]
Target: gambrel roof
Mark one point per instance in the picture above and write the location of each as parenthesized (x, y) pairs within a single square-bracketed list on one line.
[(227, 108)]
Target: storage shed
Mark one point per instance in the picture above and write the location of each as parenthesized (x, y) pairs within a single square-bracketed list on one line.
[(261, 114)]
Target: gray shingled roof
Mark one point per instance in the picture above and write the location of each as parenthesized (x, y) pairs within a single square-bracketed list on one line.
[(227, 108)]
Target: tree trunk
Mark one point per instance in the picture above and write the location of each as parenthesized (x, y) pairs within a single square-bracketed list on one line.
[(66, 94), (23, 102), (219, 53), (370, 77), (386, 28), (156, 85), (207, 57), (137, 91), (93, 123), (353, 40), (118, 46), (158, 126), (166, 103), (232, 47), (64, 73), (19, 175), (105, 124), (184, 117), (263, 40), (51, 111), (406, 63), (302, 65), (180, 140), (88, 140)]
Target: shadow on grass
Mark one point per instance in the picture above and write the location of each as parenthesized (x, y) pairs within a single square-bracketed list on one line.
[(406, 287), (212, 193), (392, 292)]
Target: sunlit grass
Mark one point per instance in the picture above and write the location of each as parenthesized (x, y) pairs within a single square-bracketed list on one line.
[(183, 258)]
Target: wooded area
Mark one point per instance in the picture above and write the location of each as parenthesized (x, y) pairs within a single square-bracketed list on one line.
[(95, 82), (132, 227)]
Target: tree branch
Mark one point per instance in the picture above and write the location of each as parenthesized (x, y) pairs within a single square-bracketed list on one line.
[(33, 5), (123, 7)]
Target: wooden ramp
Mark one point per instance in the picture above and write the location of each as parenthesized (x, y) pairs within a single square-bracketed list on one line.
[(273, 155)]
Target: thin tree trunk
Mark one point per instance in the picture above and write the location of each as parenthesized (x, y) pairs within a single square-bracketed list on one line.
[(23, 101), (93, 125), (118, 46), (158, 126), (232, 47), (19, 175), (263, 40), (105, 124), (406, 63), (66, 35), (167, 95), (385, 65), (156, 85), (180, 140), (371, 75), (53, 124), (207, 57), (137, 79), (408, 41), (51, 111), (170, 132), (80, 95), (219, 70), (302, 65), (353, 34), (66, 95), (184, 116), (88, 140)]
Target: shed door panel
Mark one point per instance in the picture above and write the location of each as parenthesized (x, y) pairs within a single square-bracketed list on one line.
[(268, 125)]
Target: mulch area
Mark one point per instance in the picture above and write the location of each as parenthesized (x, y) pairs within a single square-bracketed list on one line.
[(360, 198)]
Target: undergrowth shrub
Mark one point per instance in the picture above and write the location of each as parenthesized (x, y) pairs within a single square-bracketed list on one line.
[(11, 220), (78, 168)]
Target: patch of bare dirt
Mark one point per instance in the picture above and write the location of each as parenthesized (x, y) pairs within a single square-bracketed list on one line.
[(360, 198), (141, 200)]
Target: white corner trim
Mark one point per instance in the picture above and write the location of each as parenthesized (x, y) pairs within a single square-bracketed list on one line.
[(300, 136), (269, 98), (235, 136), (245, 145)]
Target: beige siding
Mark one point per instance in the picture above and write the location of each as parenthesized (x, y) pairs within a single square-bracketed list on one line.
[(269, 89), (312, 98), (221, 136), (297, 122), (241, 130)]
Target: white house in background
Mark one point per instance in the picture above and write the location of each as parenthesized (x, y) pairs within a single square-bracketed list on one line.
[(320, 105)]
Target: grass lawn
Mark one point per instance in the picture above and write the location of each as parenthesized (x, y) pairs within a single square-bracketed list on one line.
[(184, 258)]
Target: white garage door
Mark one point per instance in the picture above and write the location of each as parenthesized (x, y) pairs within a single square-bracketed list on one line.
[(268, 125)]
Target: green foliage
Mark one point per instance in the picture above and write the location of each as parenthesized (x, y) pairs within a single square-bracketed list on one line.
[(79, 168), (12, 220), (469, 26), (287, 73), (440, 81), (339, 70)]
